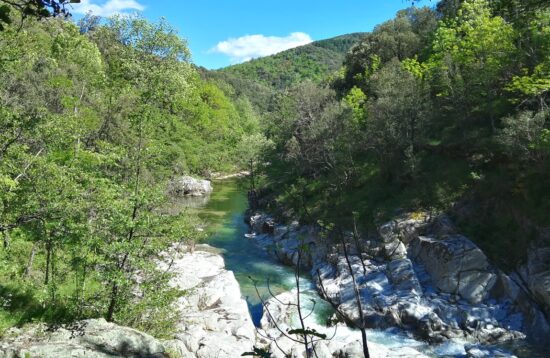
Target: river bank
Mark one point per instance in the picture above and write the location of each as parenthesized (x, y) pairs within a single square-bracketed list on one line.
[(439, 287), (226, 284), (213, 320)]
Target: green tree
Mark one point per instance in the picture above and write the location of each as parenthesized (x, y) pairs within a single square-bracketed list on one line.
[(92, 126), (251, 151), (471, 54), (396, 121)]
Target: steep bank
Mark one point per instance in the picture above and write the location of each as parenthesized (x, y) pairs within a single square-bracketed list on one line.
[(213, 320), (418, 274)]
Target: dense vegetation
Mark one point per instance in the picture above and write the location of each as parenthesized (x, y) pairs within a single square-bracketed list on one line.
[(94, 120), (441, 109), (261, 79), (314, 62)]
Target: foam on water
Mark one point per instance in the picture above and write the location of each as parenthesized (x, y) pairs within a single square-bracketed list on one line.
[(224, 214)]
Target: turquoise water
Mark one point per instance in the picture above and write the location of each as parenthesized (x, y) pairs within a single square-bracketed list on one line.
[(223, 215), (253, 267)]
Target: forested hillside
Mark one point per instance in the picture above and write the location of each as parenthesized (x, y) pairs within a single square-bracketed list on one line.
[(442, 109), (260, 79), (310, 62), (94, 120)]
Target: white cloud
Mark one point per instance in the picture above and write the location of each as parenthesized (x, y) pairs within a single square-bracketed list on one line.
[(107, 8), (251, 46)]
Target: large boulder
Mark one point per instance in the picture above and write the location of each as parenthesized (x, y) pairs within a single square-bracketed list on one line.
[(456, 265), (189, 186), (214, 319), (514, 289), (93, 338)]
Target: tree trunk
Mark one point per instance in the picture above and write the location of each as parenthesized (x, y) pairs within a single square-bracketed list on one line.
[(112, 303), (297, 277), (6, 239), (357, 299), (252, 181), (358, 244), (31, 261), (48, 261)]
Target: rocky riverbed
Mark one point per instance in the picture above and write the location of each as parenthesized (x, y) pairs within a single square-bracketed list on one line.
[(418, 274), (214, 320), (281, 316), (417, 305)]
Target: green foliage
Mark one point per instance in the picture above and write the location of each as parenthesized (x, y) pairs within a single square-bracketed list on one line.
[(313, 62), (32, 8), (524, 136), (402, 37), (442, 110), (92, 126), (4, 16), (475, 43), (356, 100), (258, 352), (251, 151)]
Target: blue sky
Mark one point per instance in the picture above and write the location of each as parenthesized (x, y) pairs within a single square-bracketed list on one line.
[(223, 32)]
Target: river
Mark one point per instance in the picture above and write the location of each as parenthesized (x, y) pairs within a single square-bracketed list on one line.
[(223, 215)]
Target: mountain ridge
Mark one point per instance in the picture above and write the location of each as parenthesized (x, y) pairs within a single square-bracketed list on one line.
[(258, 79), (313, 61)]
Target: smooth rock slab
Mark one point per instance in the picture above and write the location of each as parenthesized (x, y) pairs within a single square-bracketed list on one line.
[(456, 265), (215, 321), (93, 338)]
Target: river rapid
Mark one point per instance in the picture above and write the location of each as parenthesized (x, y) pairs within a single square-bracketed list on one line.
[(260, 276)]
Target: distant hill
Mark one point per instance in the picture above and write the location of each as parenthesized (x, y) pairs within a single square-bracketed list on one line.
[(260, 78), (313, 61)]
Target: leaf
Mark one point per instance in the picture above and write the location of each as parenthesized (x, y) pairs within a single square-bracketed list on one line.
[(310, 332), (258, 352)]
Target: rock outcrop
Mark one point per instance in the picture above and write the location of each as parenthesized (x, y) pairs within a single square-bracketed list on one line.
[(214, 319), (418, 274), (281, 314), (189, 186), (536, 272), (94, 338)]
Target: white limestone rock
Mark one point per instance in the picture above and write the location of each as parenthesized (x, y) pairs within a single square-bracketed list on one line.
[(189, 186)]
